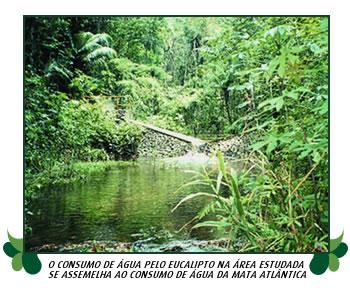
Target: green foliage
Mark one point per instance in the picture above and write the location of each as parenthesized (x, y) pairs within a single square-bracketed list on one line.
[(126, 141), (83, 130), (82, 85), (267, 212), (86, 128), (262, 77), (94, 48), (139, 39), (185, 39), (268, 78), (42, 136)]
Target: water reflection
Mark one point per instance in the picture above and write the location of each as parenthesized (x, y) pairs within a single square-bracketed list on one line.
[(116, 204)]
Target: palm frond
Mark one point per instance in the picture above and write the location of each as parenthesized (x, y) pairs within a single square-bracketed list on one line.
[(56, 69), (102, 38), (90, 47), (97, 40), (101, 52), (81, 39), (87, 41)]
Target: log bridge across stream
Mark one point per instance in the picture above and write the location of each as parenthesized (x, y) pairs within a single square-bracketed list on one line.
[(196, 142)]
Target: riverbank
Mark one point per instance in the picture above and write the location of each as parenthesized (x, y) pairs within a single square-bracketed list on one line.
[(66, 173)]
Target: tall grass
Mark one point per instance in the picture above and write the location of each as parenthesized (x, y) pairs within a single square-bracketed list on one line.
[(259, 209)]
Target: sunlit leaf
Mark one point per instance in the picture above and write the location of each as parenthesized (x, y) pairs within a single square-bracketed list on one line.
[(341, 250), (333, 262), (191, 196), (16, 243), (335, 242), (17, 262), (212, 224)]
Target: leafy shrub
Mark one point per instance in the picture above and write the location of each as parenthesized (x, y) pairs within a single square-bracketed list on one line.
[(92, 134), (82, 85), (125, 142), (260, 206), (43, 139)]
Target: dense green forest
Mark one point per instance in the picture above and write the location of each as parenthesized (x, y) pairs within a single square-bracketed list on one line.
[(262, 78)]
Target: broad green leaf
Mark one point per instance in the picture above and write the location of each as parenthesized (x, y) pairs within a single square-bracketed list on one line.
[(101, 52), (10, 250), (272, 67), (274, 103), (279, 103), (281, 65), (335, 242), (341, 250), (16, 243), (324, 108), (319, 263), (258, 145), (238, 203), (218, 182), (316, 157), (333, 262), (17, 262), (191, 196), (243, 104), (291, 94), (222, 164), (31, 263), (304, 153), (212, 224), (273, 143), (278, 31), (245, 86)]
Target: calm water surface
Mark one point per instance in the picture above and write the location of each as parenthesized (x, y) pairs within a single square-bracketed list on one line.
[(116, 204)]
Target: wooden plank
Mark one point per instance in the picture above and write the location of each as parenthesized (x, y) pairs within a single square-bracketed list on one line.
[(194, 141)]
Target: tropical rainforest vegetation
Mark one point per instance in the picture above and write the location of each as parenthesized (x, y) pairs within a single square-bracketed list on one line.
[(265, 78)]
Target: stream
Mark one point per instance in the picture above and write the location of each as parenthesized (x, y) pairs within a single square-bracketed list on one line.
[(125, 204)]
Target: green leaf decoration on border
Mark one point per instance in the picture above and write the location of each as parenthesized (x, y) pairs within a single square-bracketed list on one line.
[(333, 262), (335, 242), (10, 250), (16, 243), (321, 261), (29, 261), (17, 262), (341, 250)]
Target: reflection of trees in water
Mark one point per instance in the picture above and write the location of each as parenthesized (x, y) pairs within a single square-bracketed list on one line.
[(114, 205)]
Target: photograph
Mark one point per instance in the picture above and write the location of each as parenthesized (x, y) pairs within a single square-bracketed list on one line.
[(176, 134)]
